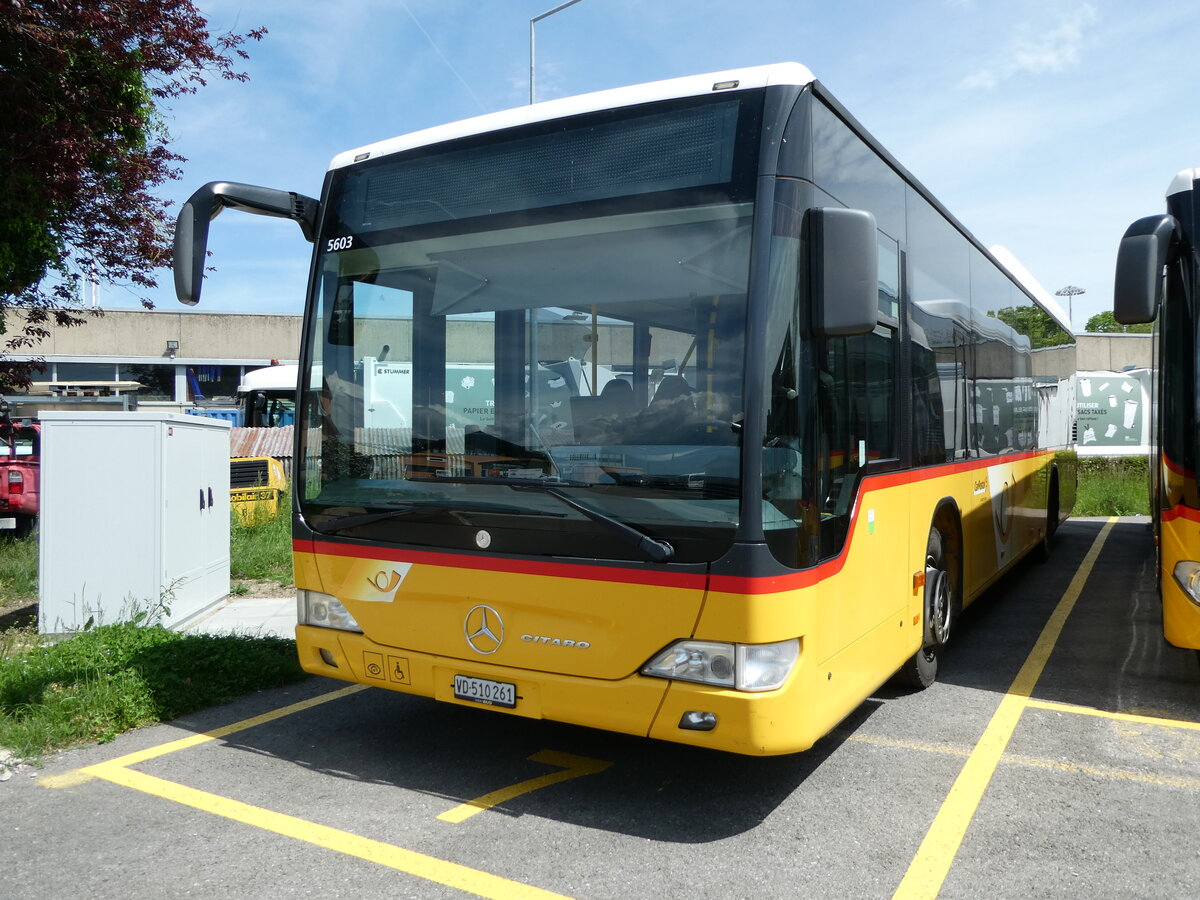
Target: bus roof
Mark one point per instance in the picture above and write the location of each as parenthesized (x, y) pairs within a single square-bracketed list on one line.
[(690, 86), (270, 378), (1183, 181), (1018, 271)]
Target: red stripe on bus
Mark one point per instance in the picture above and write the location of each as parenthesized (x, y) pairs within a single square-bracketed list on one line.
[(1181, 512), (1176, 468), (588, 571), (733, 584), (791, 581)]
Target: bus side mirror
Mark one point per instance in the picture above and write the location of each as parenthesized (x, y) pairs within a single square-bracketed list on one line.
[(845, 270), (191, 228), (1144, 250)]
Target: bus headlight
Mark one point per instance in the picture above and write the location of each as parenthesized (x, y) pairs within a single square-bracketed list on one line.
[(324, 611), (1187, 573), (764, 667), (745, 667)]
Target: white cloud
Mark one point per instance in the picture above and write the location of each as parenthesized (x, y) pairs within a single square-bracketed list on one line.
[(1039, 48)]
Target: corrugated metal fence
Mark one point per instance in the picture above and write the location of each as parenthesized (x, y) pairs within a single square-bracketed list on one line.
[(276, 442), (388, 447)]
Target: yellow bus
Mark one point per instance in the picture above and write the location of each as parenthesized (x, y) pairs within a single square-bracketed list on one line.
[(740, 416), (1157, 268)]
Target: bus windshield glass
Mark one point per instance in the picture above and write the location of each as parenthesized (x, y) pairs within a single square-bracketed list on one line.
[(533, 341)]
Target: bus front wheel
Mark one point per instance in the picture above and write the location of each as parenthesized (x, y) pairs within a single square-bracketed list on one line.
[(920, 671)]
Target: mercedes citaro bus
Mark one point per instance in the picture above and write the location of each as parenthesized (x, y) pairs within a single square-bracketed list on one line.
[(707, 417)]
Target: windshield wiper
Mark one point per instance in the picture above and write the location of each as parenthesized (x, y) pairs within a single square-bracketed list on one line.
[(352, 521), (656, 550)]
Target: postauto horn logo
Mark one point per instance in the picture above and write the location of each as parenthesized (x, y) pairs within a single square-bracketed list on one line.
[(484, 630)]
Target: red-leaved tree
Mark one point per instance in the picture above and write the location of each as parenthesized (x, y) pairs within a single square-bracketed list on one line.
[(83, 148)]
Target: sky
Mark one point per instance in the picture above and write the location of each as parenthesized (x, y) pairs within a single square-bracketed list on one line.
[(1045, 126)]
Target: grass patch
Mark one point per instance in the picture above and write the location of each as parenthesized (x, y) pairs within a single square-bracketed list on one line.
[(18, 570), (263, 550), (1116, 486), (96, 684), (103, 681)]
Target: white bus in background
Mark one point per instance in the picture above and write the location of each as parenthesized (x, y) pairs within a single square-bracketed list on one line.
[(267, 396)]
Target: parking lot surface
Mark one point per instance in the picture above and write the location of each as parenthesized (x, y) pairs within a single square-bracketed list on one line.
[(1057, 755)]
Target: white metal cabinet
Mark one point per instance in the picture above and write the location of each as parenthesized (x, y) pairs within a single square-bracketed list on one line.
[(135, 516)]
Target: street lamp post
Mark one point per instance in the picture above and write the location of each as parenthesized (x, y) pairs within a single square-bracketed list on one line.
[(1070, 292), (532, 22)]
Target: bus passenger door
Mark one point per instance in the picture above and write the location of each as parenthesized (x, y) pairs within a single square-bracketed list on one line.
[(859, 400)]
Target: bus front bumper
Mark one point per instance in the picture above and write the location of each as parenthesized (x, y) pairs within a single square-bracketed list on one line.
[(758, 724)]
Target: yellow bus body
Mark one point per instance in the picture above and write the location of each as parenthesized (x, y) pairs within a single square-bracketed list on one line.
[(1179, 541), (857, 616)]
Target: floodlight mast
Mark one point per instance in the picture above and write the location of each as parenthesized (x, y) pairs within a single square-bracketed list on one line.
[(532, 22), (1070, 292)]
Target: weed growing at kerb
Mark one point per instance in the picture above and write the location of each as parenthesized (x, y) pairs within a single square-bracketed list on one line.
[(1116, 486)]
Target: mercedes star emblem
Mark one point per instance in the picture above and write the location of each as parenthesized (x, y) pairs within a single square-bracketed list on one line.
[(484, 630)]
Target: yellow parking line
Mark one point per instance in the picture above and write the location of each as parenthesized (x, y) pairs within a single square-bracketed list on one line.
[(79, 776), (472, 881), (880, 740), (1121, 717), (1177, 782), (929, 867), (572, 767)]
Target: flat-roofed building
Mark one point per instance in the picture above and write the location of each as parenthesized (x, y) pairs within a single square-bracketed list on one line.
[(178, 358)]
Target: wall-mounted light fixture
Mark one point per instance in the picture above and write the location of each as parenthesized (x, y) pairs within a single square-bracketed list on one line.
[(172, 347)]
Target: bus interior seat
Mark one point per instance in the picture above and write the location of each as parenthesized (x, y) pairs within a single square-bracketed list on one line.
[(597, 419), (619, 394), (670, 390)]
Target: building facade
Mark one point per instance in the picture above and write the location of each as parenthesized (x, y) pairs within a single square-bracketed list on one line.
[(177, 358)]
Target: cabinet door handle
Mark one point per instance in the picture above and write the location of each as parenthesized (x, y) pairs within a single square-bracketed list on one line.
[(210, 499), (202, 499)]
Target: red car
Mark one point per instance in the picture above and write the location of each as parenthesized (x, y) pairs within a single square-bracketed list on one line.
[(20, 449)]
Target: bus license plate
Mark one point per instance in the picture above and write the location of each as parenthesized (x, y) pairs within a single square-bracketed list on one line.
[(480, 690)]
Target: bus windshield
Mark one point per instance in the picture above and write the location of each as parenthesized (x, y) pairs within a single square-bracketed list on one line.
[(590, 345)]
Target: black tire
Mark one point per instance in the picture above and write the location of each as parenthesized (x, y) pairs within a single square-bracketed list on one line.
[(1042, 551), (920, 670)]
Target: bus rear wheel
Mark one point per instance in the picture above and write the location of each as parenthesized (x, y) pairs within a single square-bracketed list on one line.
[(1041, 551), (920, 671)]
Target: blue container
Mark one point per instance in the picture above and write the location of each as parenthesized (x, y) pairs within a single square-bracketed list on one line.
[(233, 416)]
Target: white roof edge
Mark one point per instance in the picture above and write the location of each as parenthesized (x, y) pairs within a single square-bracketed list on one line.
[(1031, 284), (1183, 181), (688, 86), (284, 375)]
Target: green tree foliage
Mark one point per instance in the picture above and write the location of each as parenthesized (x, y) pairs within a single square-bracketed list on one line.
[(82, 149), (1031, 321), (1106, 323)]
